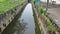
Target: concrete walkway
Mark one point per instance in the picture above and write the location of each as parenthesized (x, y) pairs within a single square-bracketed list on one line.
[(54, 14)]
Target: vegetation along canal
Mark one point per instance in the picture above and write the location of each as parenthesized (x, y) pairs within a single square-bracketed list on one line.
[(24, 24)]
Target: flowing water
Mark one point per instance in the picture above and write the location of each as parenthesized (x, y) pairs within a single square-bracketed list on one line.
[(24, 24)]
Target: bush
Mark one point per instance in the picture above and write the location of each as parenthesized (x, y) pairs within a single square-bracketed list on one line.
[(40, 9)]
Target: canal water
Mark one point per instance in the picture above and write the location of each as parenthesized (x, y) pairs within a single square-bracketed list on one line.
[(24, 24)]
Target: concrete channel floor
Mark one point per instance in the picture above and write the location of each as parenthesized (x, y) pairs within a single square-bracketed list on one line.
[(54, 14)]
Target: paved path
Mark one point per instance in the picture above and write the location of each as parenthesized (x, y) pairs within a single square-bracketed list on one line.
[(54, 14)]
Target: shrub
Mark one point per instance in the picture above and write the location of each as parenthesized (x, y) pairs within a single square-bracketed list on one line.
[(42, 11)]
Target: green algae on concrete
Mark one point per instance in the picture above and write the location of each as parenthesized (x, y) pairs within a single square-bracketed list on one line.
[(37, 29)]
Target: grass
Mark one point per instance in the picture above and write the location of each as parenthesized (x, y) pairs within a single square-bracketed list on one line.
[(50, 26), (8, 4)]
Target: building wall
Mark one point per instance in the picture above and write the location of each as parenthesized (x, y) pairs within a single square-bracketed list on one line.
[(57, 1)]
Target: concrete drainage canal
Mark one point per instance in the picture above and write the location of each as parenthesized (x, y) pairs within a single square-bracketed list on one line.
[(24, 24)]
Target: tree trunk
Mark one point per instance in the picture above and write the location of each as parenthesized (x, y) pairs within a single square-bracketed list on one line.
[(47, 4)]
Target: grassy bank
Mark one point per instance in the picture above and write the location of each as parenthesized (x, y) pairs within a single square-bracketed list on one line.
[(8, 4), (49, 24)]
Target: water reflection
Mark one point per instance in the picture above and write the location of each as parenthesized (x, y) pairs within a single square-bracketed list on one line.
[(15, 28), (27, 16)]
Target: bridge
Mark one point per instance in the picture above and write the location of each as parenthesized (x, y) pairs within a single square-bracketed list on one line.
[(45, 22)]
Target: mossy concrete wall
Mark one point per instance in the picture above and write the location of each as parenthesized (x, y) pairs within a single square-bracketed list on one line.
[(7, 17)]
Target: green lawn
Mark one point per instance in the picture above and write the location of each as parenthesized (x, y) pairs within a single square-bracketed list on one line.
[(8, 4)]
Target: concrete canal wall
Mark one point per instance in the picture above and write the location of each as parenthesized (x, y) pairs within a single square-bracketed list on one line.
[(7, 17), (42, 22), (41, 25)]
